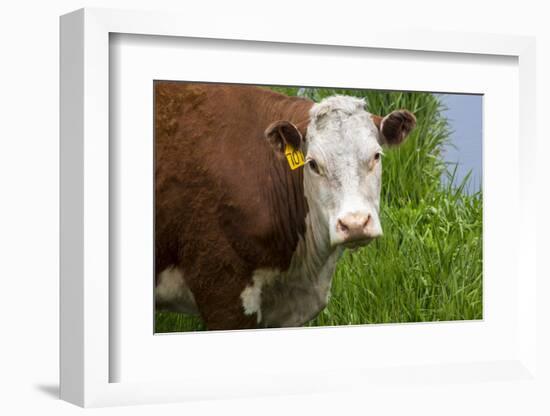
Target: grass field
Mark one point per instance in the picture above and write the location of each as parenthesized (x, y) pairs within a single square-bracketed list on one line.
[(428, 264)]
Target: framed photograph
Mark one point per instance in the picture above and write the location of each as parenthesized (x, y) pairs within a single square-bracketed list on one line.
[(286, 213), (279, 189)]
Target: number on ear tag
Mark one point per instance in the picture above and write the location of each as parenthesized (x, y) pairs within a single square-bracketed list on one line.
[(294, 157)]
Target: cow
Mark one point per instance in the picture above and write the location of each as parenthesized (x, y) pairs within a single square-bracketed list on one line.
[(257, 194)]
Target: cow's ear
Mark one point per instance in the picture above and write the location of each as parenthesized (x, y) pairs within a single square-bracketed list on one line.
[(395, 127), (282, 132)]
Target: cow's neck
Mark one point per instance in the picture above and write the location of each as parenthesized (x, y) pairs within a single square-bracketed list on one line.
[(314, 259), (314, 249), (298, 294)]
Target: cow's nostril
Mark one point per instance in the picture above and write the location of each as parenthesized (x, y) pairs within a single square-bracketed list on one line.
[(365, 225), (342, 227)]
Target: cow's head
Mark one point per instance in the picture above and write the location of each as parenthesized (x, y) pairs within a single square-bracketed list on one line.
[(343, 154)]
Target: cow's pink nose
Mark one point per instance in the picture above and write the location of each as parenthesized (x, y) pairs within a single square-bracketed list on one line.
[(354, 227)]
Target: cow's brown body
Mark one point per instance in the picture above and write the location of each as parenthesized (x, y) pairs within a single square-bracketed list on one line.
[(226, 204)]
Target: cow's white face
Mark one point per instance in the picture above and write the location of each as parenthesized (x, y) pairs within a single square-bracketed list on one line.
[(343, 172)]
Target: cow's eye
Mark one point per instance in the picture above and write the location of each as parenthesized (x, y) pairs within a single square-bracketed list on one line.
[(377, 156), (313, 166)]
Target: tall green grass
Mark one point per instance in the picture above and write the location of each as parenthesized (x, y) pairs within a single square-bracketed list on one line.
[(428, 264)]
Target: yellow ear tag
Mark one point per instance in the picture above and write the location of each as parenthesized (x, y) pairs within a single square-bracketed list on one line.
[(295, 157)]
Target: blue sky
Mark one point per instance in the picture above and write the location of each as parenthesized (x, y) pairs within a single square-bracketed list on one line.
[(464, 114)]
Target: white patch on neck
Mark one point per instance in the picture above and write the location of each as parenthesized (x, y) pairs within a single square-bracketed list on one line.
[(252, 295), (294, 297), (173, 294)]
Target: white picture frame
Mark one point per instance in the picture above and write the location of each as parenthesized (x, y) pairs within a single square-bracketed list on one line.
[(86, 355)]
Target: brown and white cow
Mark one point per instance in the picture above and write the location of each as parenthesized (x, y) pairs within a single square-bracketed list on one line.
[(242, 239)]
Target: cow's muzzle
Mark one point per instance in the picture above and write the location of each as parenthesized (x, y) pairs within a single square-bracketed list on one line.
[(357, 229)]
